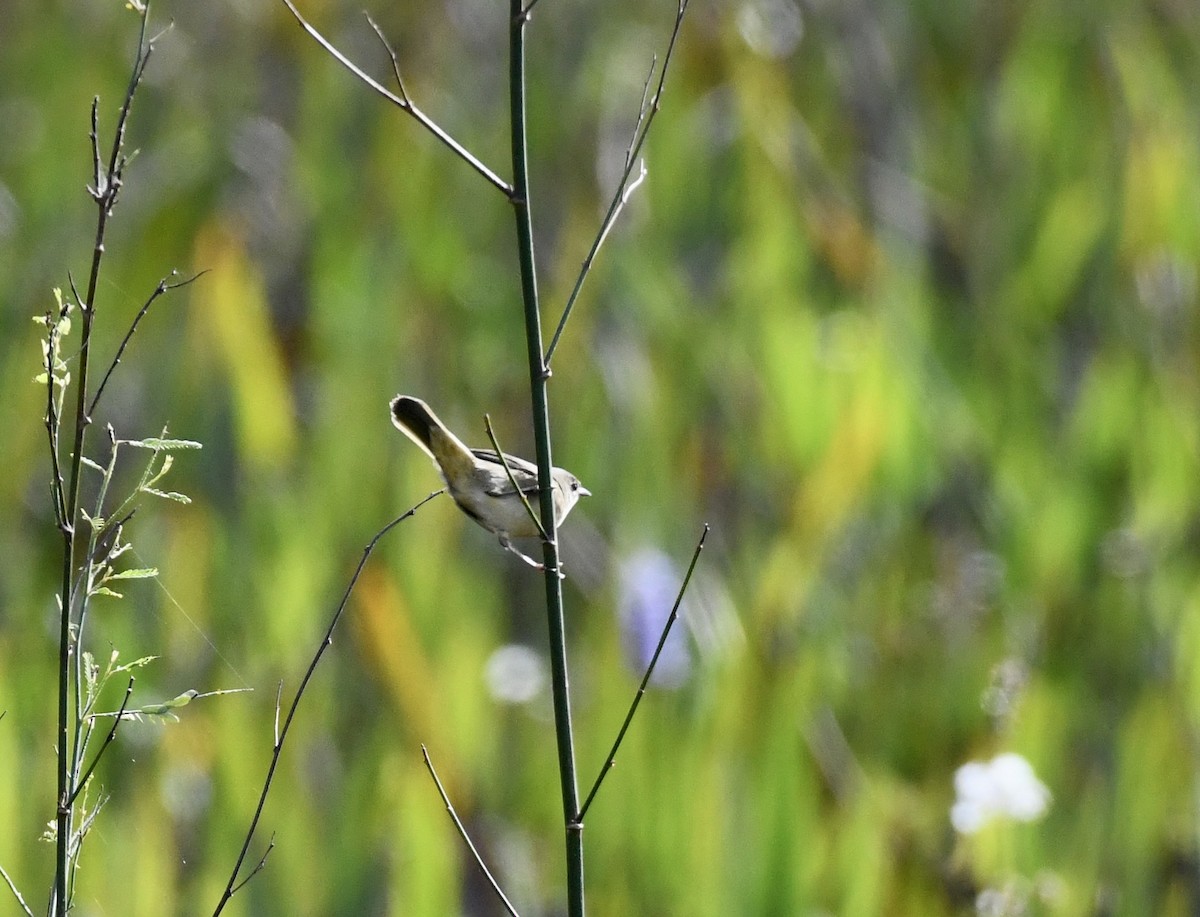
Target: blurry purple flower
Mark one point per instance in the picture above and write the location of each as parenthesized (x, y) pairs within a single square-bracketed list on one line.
[(648, 583)]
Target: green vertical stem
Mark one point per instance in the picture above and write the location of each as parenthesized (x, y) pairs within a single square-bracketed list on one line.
[(538, 377), (63, 825)]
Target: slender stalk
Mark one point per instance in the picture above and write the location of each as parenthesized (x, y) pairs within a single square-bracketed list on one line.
[(112, 734), (512, 478), (641, 691), (233, 885), (12, 887), (649, 108), (83, 589), (402, 101), (538, 377), (54, 418), (258, 867), (163, 286), (104, 192), (462, 832)]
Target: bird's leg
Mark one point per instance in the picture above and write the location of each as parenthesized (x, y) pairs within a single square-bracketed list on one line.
[(509, 546)]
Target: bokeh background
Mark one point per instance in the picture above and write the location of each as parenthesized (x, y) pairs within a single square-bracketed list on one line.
[(906, 309)]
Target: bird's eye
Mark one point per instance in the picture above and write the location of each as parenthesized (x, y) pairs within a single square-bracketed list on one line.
[(574, 485)]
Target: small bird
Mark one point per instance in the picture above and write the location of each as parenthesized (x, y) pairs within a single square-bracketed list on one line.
[(477, 479)]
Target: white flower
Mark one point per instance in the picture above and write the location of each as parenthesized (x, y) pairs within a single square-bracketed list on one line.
[(515, 674), (1004, 786)]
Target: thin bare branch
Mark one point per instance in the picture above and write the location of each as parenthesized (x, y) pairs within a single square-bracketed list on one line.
[(54, 419), (83, 306), (277, 751), (512, 478), (12, 887), (108, 536), (392, 54), (646, 114), (163, 286), (637, 698), (462, 831), (278, 699), (112, 734), (642, 109), (96, 189), (404, 103), (626, 194), (258, 867)]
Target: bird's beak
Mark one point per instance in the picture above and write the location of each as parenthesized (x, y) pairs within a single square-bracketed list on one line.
[(583, 491)]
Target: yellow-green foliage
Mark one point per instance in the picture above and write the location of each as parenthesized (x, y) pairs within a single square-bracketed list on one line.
[(907, 312)]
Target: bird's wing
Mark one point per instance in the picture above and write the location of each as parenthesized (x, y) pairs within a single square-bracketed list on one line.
[(495, 478)]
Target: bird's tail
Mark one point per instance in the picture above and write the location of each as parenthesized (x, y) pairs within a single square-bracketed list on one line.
[(412, 417)]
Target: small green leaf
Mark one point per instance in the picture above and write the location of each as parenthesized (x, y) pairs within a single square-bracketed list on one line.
[(163, 445), (168, 495), (104, 590), (136, 664), (139, 573), (167, 706)]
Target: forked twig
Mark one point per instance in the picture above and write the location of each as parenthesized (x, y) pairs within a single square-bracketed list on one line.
[(402, 101), (258, 867), (112, 734), (163, 286), (649, 108), (527, 12), (387, 46), (637, 698), (462, 831), (233, 885)]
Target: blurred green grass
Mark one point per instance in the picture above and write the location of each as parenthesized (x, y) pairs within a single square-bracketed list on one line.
[(906, 310)]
